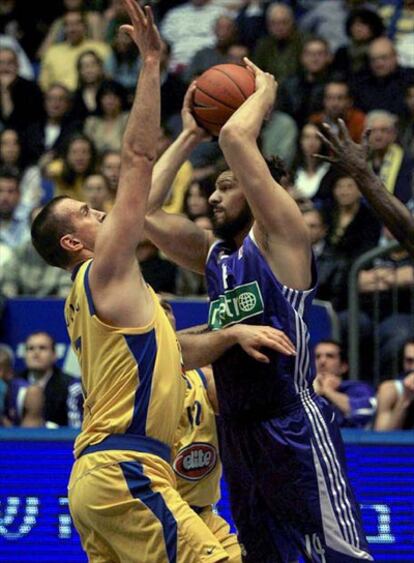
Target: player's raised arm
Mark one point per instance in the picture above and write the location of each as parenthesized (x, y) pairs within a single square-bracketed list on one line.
[(352, 158), (189, 245), (115, 270), (279, 229)]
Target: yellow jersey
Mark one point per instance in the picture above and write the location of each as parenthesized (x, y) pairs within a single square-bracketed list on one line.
[(132, 378), (196, 460)]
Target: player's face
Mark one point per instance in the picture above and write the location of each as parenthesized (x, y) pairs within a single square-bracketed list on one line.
[(231, 213), (40, 355), (85, 221), (328, 359)]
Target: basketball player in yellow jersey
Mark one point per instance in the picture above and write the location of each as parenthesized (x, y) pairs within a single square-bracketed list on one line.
[(122, 489)]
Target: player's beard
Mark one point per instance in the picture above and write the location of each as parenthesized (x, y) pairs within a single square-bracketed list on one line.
[(230, 229)]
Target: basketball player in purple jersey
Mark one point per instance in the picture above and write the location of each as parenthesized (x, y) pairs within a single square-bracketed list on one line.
[(281, 448)]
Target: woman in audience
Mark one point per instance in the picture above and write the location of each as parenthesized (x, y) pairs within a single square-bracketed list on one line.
[(107, 128), (69, 172), (196, 199), (91, 74), (11, 154), (309, 172), (123, 63), (362, 26)]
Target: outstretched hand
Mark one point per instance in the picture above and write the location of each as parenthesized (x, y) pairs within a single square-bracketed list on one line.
[(264, 81), (143, 31), (189, 122), (253, 338), (349, 156)]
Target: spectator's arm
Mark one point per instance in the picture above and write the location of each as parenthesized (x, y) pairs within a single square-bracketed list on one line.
[(392, 409), (33, 408), (338, 399)]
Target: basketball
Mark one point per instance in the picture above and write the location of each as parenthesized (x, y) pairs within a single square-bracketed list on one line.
[(220, 91)]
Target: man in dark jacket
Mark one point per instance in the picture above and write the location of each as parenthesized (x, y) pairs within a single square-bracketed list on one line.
[(41, 370)]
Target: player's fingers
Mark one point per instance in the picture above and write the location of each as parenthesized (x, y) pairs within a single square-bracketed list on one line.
[(327, 141), (280, 338), (149, 15), (365, 138), (325, 158), (189, 95), (135, 12), (344, 130), (128, 29), (330, 135), (277, 345), (251, 65)]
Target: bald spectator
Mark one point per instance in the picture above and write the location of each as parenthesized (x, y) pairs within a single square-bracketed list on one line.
[(20, 99), (387, 158), (59, 63), (384, 84), (338, 103), (44, 138), (302, 94), (225, 33), (279, 53), (189, 28)]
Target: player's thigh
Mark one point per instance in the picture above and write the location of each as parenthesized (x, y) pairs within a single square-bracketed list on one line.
[(221, 530)]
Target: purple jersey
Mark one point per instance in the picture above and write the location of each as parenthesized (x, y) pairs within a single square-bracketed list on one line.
[(362, 403), (280, 445), (242, 288)]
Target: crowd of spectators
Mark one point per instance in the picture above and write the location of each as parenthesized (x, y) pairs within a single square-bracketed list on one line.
[(66, 85)]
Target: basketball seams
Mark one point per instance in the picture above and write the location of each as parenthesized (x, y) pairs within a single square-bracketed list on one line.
[(230, 77), (214, 98)]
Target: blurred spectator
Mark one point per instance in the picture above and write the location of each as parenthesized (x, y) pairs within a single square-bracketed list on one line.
[(326, 19), (279, 52), (251, 22), (24, 66), (353, 401), (69, 172), (196, 199), (115, 15), (97, 193), (41, 370), (309, 172), (58, 63), (406, 122), (362, 27), (123, 63), (106, 129), (110, 167), (387, 158), (384, 84), (337, 103), (396, 396), (172, 92), (302, 94), (27, 274), (56, 33), (11, 155), (189, 28), (91, 74), (236, 53), (156, 271), (279, 136), (20, 99), (45, 137), (225, 32), (318, 230), (387, 295), (14, 216), (6, 375), (17, 22)]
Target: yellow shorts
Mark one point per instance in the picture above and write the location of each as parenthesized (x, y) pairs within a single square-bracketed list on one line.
[(221, 530), (126, 510)]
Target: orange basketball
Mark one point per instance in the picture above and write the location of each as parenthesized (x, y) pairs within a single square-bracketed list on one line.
[(220, 91)]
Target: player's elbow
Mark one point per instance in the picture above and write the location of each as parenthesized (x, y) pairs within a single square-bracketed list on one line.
[(233, 134), (136, 154)]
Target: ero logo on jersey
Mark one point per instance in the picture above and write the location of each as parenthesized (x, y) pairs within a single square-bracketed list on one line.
[(237, 304), (195, 461)]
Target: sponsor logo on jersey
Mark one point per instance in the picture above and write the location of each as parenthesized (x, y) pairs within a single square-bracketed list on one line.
[(195, 461), (236, 305)]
